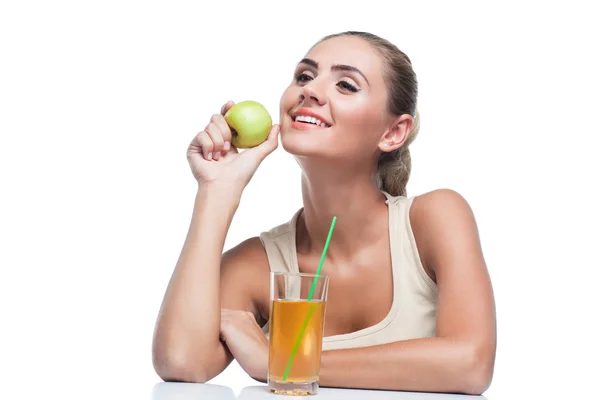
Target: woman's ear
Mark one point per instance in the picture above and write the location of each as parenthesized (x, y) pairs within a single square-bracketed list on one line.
[(397, 133)]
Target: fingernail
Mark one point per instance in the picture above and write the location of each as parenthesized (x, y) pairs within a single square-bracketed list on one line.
[(226, 146), (209, 156), (217, 155)]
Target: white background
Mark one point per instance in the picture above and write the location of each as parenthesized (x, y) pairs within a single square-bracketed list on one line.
[(99, 100)]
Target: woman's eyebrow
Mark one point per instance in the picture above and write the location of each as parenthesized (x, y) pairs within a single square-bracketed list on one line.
[(336, 67)]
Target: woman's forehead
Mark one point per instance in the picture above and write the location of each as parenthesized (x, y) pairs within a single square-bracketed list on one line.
[(347, 50)]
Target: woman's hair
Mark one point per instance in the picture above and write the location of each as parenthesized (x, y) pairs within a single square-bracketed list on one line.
[(393, 168)]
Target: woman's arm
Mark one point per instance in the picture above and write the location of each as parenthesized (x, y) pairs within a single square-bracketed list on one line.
[(186, 343), (460, 359)]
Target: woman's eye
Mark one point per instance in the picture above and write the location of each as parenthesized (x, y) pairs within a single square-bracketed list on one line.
[(302, 77), (347, 86)]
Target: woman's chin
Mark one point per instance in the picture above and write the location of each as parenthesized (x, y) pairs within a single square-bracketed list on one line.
[(300, 145)]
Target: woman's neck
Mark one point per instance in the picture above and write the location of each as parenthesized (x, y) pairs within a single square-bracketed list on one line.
[(356, 202)]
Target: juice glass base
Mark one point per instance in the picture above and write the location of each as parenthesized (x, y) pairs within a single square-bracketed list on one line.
[(293, 388)]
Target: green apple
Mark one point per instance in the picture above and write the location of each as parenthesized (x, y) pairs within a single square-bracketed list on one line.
[(250, 124)]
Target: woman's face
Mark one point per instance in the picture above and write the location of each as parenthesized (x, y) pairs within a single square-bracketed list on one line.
[(340, 84)]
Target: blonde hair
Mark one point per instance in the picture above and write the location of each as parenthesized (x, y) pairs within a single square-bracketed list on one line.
[(393, 168)]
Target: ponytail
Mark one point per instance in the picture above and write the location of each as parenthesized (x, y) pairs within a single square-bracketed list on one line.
[(393, 168)]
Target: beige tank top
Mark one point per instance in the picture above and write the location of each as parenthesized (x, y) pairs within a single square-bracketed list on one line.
[(413, 311)]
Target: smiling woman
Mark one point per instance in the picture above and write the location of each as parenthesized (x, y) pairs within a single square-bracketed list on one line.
[(428, 322)]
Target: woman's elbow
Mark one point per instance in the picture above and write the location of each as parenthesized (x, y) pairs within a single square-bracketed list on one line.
[(479, 372), (178, 369), (477, 383)]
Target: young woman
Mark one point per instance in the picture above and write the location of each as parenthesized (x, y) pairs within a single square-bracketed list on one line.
[(425, 319)]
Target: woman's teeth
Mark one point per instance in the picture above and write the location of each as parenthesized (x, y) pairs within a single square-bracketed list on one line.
[(310, 120)]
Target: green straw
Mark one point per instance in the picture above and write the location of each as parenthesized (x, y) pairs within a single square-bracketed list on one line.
[(312, 309)]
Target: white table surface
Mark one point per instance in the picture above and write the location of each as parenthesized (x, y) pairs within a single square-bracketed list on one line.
[(193, 391)]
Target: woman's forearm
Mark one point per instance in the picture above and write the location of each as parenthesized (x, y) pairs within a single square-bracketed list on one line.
[(186, 342), (428, 364)]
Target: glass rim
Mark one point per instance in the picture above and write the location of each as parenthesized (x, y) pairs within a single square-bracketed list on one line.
[(306, 274)]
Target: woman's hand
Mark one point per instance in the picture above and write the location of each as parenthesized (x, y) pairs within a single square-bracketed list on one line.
[(213, 158), (246, 342)]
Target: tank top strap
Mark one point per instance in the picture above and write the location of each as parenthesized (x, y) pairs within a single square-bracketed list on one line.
[(405, 255), (279, 244), (395, 216)]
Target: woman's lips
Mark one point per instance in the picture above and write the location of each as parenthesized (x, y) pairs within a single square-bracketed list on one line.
[(304, 126)]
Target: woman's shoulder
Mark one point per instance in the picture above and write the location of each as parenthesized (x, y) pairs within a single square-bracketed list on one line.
[(439, 211), (439, 200), (442, 220), (248, 255)]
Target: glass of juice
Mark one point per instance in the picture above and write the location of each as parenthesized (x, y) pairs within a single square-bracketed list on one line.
[(296, 326)]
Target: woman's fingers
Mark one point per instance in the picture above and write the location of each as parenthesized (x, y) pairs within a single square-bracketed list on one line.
[(225, 130), (226, 107), (216, 137), (206, 144)]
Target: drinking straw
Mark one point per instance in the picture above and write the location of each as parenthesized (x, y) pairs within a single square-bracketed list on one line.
[(313, 307)]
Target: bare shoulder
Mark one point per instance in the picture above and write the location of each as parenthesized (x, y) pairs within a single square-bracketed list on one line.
[(248, 251), (440, 202), (245, 277), (443, 224)]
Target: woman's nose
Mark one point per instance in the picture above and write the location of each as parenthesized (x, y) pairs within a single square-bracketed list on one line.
[(312, 92)]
